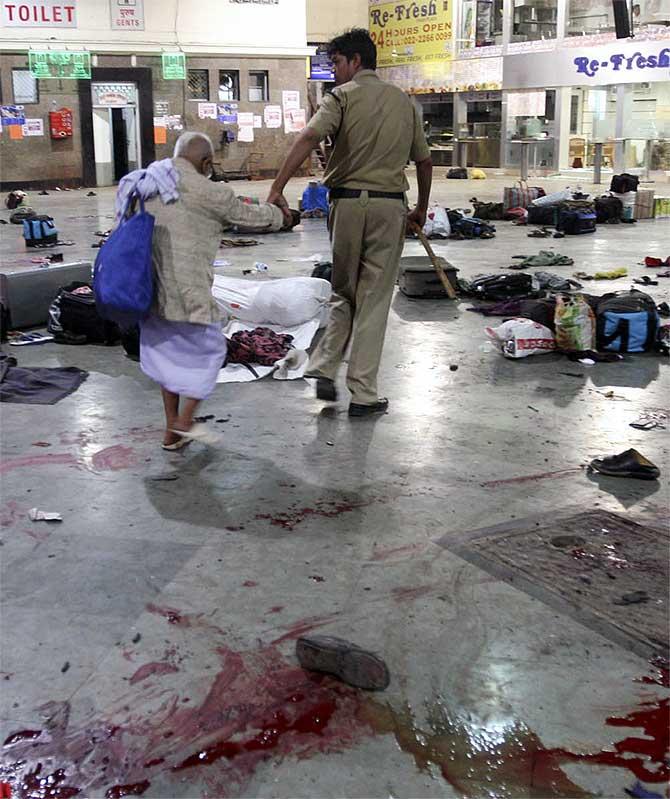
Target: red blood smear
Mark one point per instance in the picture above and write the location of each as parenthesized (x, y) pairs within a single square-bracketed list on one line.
[(117, 791), (41, 444), (312, 721), (155, 762), (662, 675), (249, 584), (173, 616), (327, 510), (33, 786), (21, 736), (114, 458), (33, 461), (150, 669), (276, 609), (407, 594), (645, 757), (301, 627)]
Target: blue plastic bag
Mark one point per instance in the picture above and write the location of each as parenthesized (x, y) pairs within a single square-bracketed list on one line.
[(123, 278)]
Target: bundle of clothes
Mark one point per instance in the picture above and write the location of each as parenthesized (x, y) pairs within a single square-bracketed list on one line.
[(447, 223)]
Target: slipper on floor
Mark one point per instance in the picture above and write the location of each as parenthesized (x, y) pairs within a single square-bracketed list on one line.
[(201, 433), (30, 338), (630, 463), (183, 442)]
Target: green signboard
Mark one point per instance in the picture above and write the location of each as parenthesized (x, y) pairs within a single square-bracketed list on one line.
[(174, 66), (60, 64)]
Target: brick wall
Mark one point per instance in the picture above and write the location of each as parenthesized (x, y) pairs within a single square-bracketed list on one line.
[(37, 160)]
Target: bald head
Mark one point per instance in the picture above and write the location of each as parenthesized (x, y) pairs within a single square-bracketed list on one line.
[(196, 148)]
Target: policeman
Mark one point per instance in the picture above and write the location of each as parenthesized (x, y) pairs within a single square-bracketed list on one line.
[(376, 129)]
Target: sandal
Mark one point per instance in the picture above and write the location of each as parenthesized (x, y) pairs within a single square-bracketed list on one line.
[(200, 432), (645, 280), (183, 442)]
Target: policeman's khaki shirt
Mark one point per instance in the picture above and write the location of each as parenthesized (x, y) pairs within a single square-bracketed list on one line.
[(376, 128)]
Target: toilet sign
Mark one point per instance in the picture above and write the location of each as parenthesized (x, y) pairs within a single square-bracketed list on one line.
[(39, 13)]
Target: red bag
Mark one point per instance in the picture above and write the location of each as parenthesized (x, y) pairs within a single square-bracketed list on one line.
[(521, 196)]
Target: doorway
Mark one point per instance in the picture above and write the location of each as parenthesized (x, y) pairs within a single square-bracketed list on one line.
[(115, 131), (116, 123)]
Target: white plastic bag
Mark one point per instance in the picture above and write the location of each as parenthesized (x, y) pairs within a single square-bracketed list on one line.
[(519, 338), (553, 199), (286, 302), (437, 223)]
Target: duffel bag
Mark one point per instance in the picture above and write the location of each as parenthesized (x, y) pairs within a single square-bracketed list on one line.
[(501, 287), (609, 210), (521, 195), (487, 211), (457, 173), (624, 183), (627, 321), (39, 231)]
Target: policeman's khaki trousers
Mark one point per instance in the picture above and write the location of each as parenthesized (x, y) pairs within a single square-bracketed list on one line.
[(368, 235)]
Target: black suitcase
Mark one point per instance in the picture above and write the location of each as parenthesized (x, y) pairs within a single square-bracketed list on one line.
[(543, 215), (417, 278), (609, 210)]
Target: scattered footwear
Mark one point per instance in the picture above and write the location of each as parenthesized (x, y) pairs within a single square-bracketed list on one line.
[(655, 262), (91, 194), (25, 339), (239, 242), (43, 193), (183, 442), (344, 660), (201, 433), (326, 389), (663, 309), (627, 464), (379, 407), (645, 280)]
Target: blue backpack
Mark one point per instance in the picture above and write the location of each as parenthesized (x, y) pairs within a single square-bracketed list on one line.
[(627, 321), (123, 277), (40, 231)]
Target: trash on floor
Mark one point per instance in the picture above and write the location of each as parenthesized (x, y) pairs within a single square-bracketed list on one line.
[(519, 338), (342, 659), (634, 598), (543, 258), (630, 463), (650, 421), (26, 339), (239, 242), (37, 515)]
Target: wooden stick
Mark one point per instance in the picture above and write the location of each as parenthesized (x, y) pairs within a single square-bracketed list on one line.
[(451, 293)]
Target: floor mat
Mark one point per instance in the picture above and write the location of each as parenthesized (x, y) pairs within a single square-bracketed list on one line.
[(608, 572)]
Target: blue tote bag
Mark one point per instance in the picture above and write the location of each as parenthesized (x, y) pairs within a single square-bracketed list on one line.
[(123, 279)]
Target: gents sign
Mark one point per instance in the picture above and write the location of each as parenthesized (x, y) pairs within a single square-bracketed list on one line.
[(411, 32), (39, 13), (614, 63)]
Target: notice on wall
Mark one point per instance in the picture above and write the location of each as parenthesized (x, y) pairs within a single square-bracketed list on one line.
[(295, 120), (228, 113), (245, 119), (161, 108), (207, 111), (33, 127), (482, 74), (526, 104), (15, 132), (258, 121), (290, 101), (160, 131), (12, 115), (407, 32), (273, 116), (246, 133), (173, 122), (127, 14), (39, 13)]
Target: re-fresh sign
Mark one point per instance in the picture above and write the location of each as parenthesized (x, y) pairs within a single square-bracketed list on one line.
[(411, 32), (39, 13)]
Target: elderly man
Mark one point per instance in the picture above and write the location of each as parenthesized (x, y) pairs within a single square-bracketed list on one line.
[(182, 347), (376, 129)]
